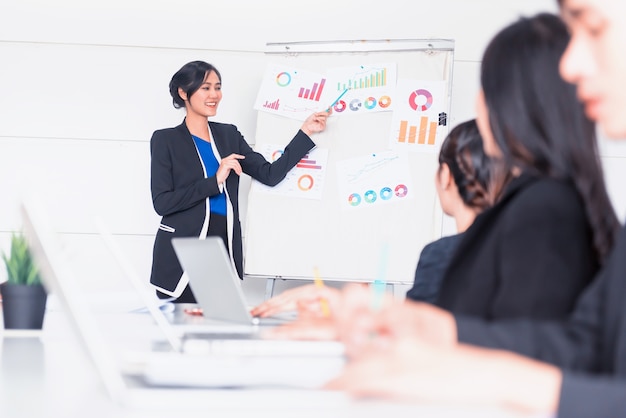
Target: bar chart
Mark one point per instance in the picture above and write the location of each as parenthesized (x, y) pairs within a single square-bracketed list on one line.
[(370, 79), (314, 92), (272, 105), (425, 133), (306, 162)]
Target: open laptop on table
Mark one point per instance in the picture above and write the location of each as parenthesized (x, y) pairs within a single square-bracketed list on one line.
[(233, 331), (215, 282)]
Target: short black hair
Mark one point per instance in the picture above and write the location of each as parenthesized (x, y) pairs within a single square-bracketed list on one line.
[(189, 78)]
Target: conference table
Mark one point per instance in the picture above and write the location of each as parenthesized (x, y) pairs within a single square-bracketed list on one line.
[(49, 373)]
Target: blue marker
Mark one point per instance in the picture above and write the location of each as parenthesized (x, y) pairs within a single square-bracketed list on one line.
[(338, 98), (378, 288), (380, 284)]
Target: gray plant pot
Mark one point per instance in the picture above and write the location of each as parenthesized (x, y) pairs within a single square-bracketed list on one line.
[(23, 306)]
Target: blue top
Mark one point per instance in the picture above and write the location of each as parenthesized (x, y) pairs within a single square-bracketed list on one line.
[(217, 202)]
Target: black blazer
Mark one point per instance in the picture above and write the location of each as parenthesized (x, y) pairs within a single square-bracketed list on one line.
[(530, 255), (590, 345), (180, 190), (431, 267)]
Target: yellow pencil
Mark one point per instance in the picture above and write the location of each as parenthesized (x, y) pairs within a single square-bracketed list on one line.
[(323, 302)]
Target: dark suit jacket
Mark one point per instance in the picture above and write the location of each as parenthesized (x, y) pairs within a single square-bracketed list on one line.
[(530, 255), (590, 345), (431, 266), (180, 189)]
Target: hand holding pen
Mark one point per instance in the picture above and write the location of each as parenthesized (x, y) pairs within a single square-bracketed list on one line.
[(305, 299), (316, 122), (362, 326), (319, 284)]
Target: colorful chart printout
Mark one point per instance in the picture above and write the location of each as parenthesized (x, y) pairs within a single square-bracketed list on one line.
[(363, 88), (372, 180), (293, 93), (305, 180), (420, 108)]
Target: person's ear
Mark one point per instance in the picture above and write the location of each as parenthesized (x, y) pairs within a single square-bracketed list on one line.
[(445, 176), (182, 94)]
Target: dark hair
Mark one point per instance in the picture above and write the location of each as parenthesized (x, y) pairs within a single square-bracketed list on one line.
[(462, 151), (537, 120), (189, 78)]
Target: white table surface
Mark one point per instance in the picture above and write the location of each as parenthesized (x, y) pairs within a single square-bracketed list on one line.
[(47, 373)]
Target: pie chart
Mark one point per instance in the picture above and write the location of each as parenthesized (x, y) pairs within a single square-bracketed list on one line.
[(421, 106)]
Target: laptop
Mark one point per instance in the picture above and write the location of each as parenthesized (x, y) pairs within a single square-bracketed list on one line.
[(214, 336), (167, 371), (215, 282)]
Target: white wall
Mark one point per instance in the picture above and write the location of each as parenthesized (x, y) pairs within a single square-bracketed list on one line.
[(84, 83)]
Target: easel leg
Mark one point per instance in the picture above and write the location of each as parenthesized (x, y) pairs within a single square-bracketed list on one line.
[(390, 289), (269, 288)]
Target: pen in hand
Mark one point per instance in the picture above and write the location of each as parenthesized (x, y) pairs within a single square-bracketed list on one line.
[(337, 99), (378, 289), (379, 285), (323, 302)]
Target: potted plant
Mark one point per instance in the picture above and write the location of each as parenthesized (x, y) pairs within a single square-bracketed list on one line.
[(23, 294)]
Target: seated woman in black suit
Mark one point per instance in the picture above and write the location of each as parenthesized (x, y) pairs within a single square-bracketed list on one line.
[(552, 225), (462, 183)]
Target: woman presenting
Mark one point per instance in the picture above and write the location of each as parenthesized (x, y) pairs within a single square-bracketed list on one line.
[(195, 169)]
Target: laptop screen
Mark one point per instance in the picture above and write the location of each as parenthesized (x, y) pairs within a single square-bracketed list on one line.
[(213, 279)]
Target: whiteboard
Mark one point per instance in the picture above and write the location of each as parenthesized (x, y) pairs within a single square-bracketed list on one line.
[(289, 237)]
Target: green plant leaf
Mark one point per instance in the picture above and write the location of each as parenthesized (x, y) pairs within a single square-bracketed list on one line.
[(20, 266)]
